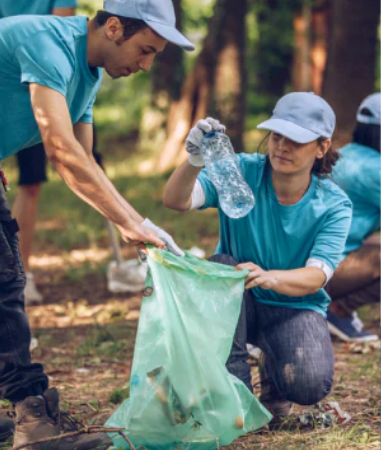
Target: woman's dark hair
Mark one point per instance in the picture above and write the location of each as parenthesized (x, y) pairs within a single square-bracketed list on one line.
[(322, 167), (367, 134), (131, 26)]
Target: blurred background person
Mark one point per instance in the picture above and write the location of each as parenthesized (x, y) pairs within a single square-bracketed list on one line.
[(356, 282)]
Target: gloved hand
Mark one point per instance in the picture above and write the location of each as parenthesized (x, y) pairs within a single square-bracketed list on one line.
[(194, 138), (164, 236)]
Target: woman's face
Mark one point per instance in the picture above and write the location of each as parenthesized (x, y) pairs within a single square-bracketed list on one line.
[(288, 157)]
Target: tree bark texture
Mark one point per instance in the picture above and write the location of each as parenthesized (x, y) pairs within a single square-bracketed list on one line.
[(216, 83), (350, 72)]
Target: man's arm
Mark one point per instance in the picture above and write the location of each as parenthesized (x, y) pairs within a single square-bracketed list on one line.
[(85, 136), (63, 12), (80, 171)]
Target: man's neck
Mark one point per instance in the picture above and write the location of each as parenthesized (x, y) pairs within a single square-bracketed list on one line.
[(94, 58), (290, 189)]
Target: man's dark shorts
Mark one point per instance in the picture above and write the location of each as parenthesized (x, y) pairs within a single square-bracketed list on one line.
[(32, 163)]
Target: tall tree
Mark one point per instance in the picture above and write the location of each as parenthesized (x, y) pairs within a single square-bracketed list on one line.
[(215, 83), (310, 45), (320, 20), (302, 54), (351, 63)]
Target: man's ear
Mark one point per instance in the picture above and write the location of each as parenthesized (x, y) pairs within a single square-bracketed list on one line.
[(113, 29)]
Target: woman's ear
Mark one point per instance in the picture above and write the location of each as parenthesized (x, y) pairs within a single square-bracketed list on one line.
[(323, 148)]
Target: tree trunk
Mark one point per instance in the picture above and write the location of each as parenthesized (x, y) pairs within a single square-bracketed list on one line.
[(319, 47), (228, 102), (220, 62), (302, 57), (166, 81), (350, 73)]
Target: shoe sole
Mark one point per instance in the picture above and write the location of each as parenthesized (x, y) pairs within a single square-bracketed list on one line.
[(338, 333)]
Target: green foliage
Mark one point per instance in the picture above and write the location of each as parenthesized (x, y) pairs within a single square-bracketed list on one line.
[(118, 395), (270, 51)]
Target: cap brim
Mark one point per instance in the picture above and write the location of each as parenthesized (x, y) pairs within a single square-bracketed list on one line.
[(290, 130), (171, 34)]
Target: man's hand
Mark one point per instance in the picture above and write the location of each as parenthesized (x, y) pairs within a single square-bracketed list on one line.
[(138, 235), (170, 244), (258, 277), (194, 138)]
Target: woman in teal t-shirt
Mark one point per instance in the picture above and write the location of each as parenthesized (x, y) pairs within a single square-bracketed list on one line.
[(291, 243)]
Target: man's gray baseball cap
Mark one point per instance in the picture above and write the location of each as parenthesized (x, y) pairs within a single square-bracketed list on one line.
[(302, 117), (369, 111), (157, 14)]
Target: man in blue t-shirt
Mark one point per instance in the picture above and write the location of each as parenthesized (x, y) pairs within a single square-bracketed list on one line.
[(357, 280), (31, 161), (50, 69)]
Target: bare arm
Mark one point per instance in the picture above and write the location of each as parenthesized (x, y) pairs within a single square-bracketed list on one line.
[(63, 12), (293, 283), (85, 135), (79, 170), (178, 190)]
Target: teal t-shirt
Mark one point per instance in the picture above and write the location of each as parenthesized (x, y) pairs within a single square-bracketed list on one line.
[(358, 173), (279, 237), (50, 51), (37, 7)]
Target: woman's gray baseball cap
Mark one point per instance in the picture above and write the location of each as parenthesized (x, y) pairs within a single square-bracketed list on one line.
[(369, 111), (157, 14), (302, 117)]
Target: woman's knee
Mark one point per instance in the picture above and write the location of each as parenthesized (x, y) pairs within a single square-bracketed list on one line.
[(308, 388)]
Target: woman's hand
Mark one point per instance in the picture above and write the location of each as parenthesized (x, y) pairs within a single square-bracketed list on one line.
[(258, 277), (194, 138)]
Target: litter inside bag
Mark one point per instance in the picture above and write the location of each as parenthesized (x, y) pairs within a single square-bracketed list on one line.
[(182, 396)]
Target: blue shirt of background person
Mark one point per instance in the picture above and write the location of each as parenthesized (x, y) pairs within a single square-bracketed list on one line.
[(358, 173), (51, 52), (280, 237), (10, 8)]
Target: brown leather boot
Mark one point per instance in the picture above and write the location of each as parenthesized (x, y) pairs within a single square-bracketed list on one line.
[(270, 398), (40, 418), (7, 426)]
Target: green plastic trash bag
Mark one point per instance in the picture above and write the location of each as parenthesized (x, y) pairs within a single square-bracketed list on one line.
[(181, 394)]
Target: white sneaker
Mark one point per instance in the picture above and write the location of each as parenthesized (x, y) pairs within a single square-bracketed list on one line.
[(129, 276), (32, 296)]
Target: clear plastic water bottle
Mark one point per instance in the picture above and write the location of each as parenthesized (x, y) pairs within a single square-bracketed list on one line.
[(222, 165)]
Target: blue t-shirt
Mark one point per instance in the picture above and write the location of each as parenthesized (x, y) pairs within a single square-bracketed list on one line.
[(50, 51), (37, 7), (358, 173), (280, 237)]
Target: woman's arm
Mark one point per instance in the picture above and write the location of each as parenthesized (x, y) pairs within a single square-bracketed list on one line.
[(293, 283), (179, 188)]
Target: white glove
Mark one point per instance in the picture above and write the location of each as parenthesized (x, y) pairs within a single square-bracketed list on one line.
[(194, 138), (164, 236)]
